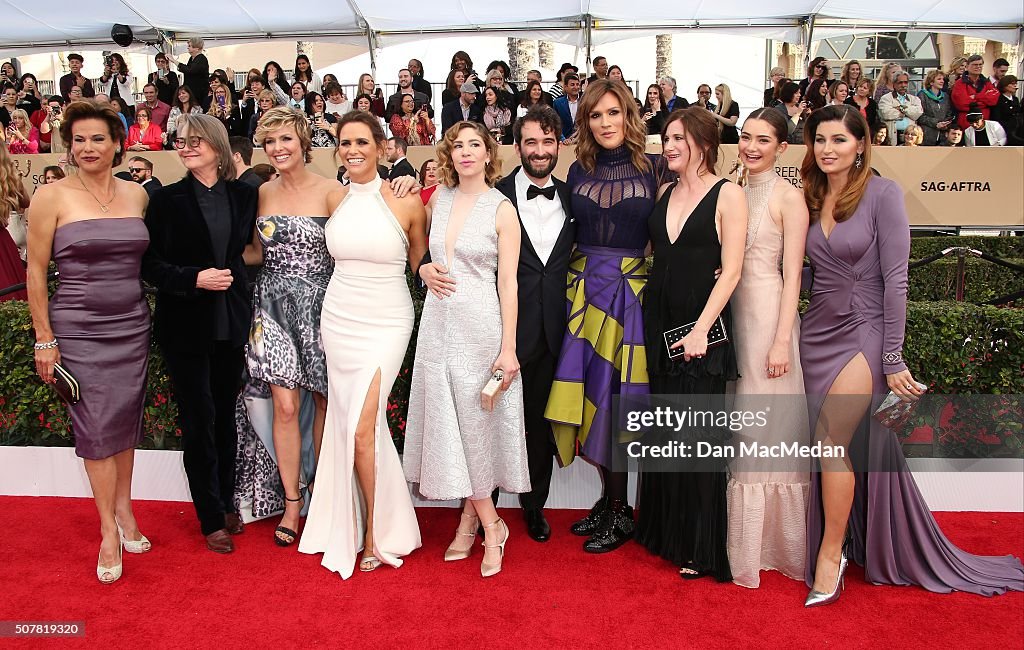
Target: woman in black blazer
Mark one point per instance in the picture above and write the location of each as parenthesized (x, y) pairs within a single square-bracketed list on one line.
[(198, 229)]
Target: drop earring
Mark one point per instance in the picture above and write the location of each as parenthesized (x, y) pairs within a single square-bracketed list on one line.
[(859, 162)]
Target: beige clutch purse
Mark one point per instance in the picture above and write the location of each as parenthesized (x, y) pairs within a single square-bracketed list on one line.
[(491, 391)]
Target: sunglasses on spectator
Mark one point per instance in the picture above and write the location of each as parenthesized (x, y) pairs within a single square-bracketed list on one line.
[(136, 170), (193, 141)]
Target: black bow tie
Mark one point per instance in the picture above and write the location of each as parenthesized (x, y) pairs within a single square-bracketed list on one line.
[(533, 192)]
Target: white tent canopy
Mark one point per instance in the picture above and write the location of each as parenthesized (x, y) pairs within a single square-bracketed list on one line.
[(85, 24)]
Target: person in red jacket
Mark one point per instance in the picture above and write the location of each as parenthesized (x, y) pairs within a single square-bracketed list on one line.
[(144, 135), (973, 88)]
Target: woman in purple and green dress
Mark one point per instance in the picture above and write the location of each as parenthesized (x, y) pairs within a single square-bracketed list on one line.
[(613, 187)]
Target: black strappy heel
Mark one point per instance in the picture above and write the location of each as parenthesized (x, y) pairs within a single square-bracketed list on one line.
[(287, 531)]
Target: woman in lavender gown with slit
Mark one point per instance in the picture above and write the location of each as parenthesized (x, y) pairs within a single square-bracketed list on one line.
[(851, 344)]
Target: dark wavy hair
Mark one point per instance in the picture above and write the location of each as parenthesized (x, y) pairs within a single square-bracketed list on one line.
[(545, 116), (86, 110), (815, 181), (280, 81)]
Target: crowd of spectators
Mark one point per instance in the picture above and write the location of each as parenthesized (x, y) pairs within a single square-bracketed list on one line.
[(960, 106)]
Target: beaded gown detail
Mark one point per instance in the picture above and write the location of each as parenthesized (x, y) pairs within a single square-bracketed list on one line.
[(767, 504), (455, 449), (366, 324), (858, 306)]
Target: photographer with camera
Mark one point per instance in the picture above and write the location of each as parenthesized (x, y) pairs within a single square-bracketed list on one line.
[(412, 122), (75, 78), (48, 120), (116, 82), (165, 80)]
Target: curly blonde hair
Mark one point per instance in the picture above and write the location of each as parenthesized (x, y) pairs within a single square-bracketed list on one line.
[(635, 129), (446, 173), (282, 116)]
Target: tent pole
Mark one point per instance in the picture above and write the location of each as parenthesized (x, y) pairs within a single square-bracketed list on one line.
[(808, 33), (768, 59), (589, 25), (371, 41), (1020, 56)]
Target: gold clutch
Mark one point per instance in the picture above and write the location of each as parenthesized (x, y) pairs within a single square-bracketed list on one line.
[(492, 389)]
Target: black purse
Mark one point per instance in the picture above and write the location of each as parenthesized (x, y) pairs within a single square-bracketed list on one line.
[(717, 335), (66, 385)]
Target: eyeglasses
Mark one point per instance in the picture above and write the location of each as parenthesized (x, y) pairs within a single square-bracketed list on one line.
[(136, 170), (193, 142), (703, 92)]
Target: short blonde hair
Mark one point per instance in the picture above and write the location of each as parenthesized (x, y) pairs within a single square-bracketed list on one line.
[(282, 116), (212, 131), (446, 172)]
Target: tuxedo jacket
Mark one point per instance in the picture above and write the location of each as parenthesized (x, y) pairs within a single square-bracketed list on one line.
[(401, 168), (179, 248), (151, 186), (542, 306)]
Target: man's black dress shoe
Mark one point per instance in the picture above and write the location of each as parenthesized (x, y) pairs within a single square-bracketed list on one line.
[(537, 526)]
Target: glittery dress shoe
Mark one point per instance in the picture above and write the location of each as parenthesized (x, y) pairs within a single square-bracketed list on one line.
[(585, 527), (615, 528), (233, 523), (537, 526), (220, 542)]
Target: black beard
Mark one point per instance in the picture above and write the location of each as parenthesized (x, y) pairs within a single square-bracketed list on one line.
[(538, 172)]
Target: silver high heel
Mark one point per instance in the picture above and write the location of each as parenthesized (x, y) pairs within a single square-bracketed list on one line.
[(488, 570), (818, 598), (451, 554), (138, 546)]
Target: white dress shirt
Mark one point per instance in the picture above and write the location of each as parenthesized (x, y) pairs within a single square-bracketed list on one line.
[(542, 218)]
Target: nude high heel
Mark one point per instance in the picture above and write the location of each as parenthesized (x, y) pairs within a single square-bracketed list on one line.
[(114, 571), (488, 570), (139, 546), (452, 554)]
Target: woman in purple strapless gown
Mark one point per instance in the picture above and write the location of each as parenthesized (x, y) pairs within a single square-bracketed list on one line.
[(851, 345), (97, 324)]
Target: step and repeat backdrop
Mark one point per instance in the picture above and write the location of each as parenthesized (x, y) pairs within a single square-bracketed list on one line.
[(973, 187)]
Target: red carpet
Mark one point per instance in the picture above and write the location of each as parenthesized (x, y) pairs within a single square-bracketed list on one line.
[(180, 595)]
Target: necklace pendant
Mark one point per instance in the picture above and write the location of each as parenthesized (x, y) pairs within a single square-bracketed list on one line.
[(104, 208)]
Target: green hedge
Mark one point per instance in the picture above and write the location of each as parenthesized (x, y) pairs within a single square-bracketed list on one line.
[(1001, 247), (983, 280)]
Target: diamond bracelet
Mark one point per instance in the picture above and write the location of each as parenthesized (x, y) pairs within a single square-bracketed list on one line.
[(49, 345)]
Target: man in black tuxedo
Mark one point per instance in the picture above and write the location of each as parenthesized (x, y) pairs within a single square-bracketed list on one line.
[(142, 173), (400, 165), (548, 233), (463, 108)]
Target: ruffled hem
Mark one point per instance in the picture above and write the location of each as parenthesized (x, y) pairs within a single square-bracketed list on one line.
[(767, 530)]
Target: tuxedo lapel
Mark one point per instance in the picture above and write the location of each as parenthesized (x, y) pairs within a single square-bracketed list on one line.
[(507, 186)]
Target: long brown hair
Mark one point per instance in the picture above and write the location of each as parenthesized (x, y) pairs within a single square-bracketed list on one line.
[(635, 130), (699, 125), (815, 181)]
